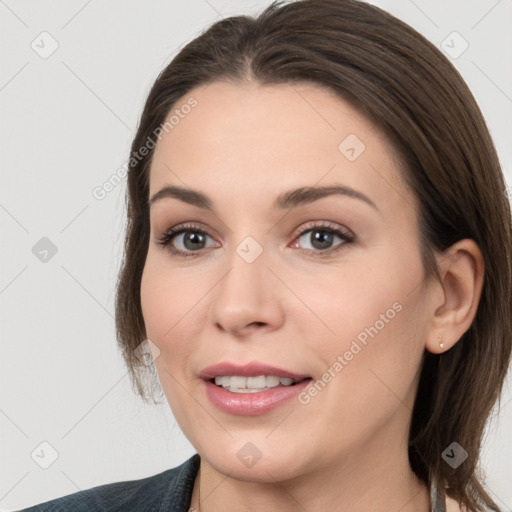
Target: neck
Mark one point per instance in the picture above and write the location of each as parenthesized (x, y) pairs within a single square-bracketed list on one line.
[(359, 484)]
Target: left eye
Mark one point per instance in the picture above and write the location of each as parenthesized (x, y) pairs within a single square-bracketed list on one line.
[(323, 238)]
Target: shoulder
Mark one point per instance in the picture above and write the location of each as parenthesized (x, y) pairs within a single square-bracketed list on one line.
[(169, 490)]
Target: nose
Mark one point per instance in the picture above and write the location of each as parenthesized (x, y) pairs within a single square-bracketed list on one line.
[(246, 299)]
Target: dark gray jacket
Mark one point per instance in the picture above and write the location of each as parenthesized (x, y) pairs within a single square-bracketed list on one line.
[(169, 491)]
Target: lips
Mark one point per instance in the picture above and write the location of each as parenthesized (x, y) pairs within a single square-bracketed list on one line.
[(250, 401), (253, 404), (252, 369)]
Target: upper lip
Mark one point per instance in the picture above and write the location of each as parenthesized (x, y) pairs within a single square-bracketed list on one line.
[(252, 369)]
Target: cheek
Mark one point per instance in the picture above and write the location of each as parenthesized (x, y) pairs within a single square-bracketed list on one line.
[(173, 305), (154, 294), (167, 301), (372, 316), (367, 298), (164, 301)]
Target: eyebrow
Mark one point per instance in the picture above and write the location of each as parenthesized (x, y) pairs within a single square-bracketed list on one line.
[(289, 199)]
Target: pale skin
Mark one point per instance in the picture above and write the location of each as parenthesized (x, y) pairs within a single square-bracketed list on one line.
[(346, 450)]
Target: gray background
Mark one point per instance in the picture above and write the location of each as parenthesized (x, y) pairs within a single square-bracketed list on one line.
[(66, 126)]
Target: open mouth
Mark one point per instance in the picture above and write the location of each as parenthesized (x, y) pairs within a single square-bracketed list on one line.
[(257, 384)]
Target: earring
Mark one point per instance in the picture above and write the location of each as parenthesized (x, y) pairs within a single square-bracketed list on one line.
[(441, 344)]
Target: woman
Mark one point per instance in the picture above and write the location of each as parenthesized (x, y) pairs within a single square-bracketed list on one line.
[(318, 257)]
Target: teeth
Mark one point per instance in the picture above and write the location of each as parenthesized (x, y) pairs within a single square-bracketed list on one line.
[(238, 384)]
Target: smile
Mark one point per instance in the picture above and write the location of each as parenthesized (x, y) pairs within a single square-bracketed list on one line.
[(240, 384)]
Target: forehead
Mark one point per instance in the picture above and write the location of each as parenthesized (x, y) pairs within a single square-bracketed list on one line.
[(254, 140)]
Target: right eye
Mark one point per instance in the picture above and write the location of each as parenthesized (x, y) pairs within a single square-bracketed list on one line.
[(189, 238)]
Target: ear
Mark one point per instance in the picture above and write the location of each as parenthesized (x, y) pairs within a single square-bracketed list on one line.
[(461, 268)]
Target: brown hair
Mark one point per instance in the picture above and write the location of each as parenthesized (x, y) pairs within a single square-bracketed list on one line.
[(408, 88)]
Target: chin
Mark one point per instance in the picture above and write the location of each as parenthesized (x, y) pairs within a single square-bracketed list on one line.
[(245, 462)]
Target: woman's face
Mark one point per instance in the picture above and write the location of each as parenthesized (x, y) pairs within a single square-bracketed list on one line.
[(325, 286)]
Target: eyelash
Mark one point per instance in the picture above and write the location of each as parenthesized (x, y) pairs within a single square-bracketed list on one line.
[(169, 235)]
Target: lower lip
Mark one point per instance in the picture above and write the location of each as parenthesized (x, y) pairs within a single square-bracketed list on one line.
[(251, 404)]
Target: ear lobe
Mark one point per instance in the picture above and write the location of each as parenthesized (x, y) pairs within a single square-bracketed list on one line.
[(461, 269)]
